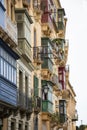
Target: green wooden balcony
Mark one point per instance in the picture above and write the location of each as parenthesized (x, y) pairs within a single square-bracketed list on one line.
[(47, 106), (60, 26)]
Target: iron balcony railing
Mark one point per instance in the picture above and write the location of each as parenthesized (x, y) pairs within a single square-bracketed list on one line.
[(37, 104), (24, 102), (41, 52)]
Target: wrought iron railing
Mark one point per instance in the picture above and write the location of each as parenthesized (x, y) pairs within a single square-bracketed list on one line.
[(24, 102)]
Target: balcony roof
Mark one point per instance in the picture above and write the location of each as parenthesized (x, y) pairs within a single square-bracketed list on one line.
[(2, 6), (23, 10), (62, 9), (8, 49)]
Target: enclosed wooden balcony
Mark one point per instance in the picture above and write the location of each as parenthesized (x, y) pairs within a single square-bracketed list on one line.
[(47, 24), (11, 29), (8, 32), (24, 35), (47, 106), (25, 50), (61, 23)]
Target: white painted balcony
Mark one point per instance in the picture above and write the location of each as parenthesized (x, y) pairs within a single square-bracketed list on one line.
[(11, 30)]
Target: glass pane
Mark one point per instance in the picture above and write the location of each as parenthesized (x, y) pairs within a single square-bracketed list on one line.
[(14, 75), (9, 72), (5, 69), (2, 68)]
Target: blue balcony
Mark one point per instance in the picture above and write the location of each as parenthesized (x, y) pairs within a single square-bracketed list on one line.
[(8, 88), (2, 14), (8, 92)]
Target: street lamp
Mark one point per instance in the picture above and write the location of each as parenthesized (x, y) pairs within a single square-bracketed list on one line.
[(45, 90)]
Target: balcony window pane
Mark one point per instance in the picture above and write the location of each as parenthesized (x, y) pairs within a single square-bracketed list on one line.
[(35, 86), (26, 85), (34, 38), (20, 30), (20, 80), (1, 52), (14, 76), (5, 69), (2, 68), (27, 34), (13, 126), (9, 72)]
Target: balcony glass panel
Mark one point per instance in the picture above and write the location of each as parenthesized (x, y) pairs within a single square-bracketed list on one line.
[(60, 26), (47, 106), (47, 64), (25, 49)]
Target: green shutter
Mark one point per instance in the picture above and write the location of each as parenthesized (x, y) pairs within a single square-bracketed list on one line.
[(35, 86)]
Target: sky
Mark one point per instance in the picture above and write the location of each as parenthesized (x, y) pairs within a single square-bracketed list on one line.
[(76, 33)]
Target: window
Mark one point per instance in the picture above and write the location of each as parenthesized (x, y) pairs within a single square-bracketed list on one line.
[(20, 27), (20, 80), (20, 126), (35, 86), (50, 94), (5, 69), (14, 74), (35, 38), (26, 126), (10, 72), (12, 11), (13, 125), (60, 76), (2, 68), (26, 85)]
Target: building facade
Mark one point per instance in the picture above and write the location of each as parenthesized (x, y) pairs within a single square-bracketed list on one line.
[(33, 67)]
